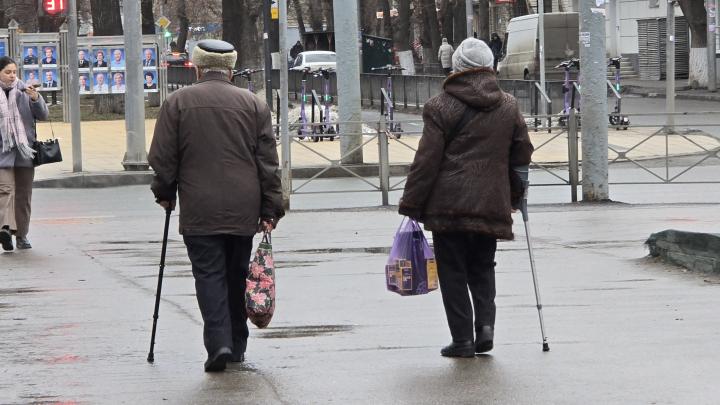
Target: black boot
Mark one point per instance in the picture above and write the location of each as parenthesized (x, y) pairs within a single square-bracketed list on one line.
[(484, 339), (6, 239), (218, 361), (459, 349)]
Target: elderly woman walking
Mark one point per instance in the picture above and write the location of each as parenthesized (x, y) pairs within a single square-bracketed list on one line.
[(20, 106), (462, 187)]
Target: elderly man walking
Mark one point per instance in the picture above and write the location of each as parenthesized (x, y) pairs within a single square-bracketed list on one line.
[(445, 56), (214, 145)]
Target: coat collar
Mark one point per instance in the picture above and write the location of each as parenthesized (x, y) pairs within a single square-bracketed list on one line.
[(214, 76)]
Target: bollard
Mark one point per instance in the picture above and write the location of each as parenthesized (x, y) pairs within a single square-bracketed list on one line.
[(384, 161)]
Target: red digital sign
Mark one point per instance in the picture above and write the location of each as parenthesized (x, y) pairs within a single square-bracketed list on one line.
[(54, 7)]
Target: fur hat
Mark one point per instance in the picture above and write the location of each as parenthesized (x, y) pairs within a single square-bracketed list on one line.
[(214, 54), (472, 53)]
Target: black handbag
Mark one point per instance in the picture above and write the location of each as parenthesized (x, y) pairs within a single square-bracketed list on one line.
[(47, 151)]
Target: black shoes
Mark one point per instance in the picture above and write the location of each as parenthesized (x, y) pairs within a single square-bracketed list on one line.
[(464, 348), (484, 339), (218, 361), (22, 243), (238, 358), (6, 240)]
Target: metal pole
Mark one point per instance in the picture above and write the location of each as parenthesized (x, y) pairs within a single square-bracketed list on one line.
[(284, 123), (384, 160), (135, 154), (470, 15), (593, 72), (72, 88), (670, 68), (348, 73), (268, 57), (712, 75), (541, 45), (614, 18)]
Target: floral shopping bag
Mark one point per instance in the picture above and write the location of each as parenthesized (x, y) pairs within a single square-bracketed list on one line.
[(260, 290), (411, 267)]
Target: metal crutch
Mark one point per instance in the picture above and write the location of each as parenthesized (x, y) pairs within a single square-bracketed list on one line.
[(523, 172), (151, 354)]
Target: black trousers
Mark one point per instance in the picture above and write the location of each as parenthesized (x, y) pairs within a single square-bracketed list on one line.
[(220, 267), (466, 260)]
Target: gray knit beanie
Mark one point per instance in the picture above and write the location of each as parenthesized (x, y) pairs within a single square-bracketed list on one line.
[(470, 54)]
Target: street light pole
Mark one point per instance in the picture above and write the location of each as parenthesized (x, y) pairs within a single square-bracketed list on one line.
[(284, 122), (268, 57), (73, 92), (541, 43), (712, 75), (470, 15), (670, 68), (136, 154), (593, 81)]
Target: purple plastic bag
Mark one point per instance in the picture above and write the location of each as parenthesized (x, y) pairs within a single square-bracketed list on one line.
[(411, 268)]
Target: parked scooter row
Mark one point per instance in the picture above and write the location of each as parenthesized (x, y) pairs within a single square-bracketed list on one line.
[(616, 118)]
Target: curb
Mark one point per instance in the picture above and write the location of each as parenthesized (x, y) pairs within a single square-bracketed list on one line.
[(117, 179), (660, 93), (694, 251)]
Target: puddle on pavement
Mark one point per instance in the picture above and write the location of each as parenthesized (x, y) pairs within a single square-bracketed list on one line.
[(291, 332)]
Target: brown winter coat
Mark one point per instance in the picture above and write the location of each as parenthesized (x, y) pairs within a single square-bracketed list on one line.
[(214, 144), (466, 185)]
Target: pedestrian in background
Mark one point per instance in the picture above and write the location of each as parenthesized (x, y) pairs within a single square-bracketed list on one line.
[(214, 145), (20, 106), (462, 187), (496, 46), (445, 56), (295, 50)]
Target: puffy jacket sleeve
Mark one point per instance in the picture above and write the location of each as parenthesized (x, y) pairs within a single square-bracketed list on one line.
[(164, 152), (521, 150), (266, 160), (425, 167)]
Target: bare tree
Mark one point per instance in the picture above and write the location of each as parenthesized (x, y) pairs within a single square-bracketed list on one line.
[(106, 17), (316, 15), (387, 27), (242, 28), (446, 20), (327, 7), (184, 24), (484, 20), (401, 38), (148, 19), (430, 31), (694, 11), (24, 12), (297, 6), (459, 21), (368, 17)]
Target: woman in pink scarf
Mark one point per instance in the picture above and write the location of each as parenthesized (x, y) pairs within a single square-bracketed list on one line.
[(20, 106)]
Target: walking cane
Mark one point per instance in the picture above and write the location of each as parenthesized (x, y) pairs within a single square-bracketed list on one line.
[(523, 172), (151, 354)]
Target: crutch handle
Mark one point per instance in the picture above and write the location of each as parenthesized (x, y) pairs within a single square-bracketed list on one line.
[(524, 173)]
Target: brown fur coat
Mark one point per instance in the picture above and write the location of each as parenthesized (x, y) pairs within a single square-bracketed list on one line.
[(467, 185)]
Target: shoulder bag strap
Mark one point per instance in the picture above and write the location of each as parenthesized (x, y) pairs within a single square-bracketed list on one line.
[(467, 116)]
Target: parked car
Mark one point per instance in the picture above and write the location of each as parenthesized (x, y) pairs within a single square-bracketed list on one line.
[(521, 50), (177, 59), (314, 60)]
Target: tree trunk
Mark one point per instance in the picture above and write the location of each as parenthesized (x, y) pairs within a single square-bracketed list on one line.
[(109, 104), (694, 11), (327, 7), (24, 12), (299, 15), (460, 22), (49, 23), (106, 17), (240, 28), (368, 19), (148, 19), (446, 19), (387, 30), (316, 16), (183, 26), (430, 32), (484, 21), (401, 39), (547, 6)]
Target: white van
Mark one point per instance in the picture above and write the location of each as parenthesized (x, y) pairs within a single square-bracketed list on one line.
[(521, 46)]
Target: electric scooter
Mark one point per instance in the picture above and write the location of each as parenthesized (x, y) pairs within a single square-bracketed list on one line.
[(568, 102), (393, 127), (304, 129), (247, 75), (616, 118), (327, 128)]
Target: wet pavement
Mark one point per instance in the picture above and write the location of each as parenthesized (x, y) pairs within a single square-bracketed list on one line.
[(76, 313)]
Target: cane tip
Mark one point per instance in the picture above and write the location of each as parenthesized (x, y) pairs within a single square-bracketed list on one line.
[(150, 359), (546, 347)]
